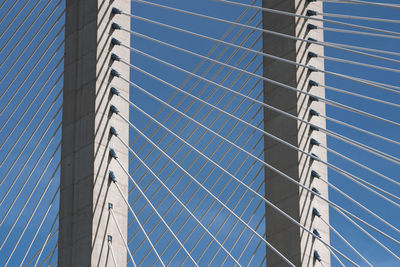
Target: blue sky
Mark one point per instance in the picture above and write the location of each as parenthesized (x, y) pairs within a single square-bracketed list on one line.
[(214, 148)]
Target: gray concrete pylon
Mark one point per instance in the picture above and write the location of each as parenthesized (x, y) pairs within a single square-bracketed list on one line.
[(85, 189), (297, 245)]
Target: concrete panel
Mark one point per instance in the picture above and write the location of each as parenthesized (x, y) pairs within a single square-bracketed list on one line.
[(85, 190), (294, 243)]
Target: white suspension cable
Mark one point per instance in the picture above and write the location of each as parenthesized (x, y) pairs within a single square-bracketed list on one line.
[(395, 6), (368, 169), (29, 158), (27, 224), (34, 238), (47, 79), (140, 225), (265, 79), (213, 49), (344, 240), (330, 102), (263, 54), (29, 43), (368, 234), (308, 17), (197, 205), (110, 208), (32, 71), (34, 188), (28, 141), (386, 87), (377, 67), (36, 207), (20, 9), (205, 189), (346, 174), (38, 251), (333, 15), (190, 167), (9, 10), (333, 45), (36, 128), (171, 193), (396, 37), (155, 210), (238, 180), (251, 155), (112, 253)]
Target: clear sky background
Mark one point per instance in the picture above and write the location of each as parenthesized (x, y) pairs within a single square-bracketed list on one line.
[(250, 171)]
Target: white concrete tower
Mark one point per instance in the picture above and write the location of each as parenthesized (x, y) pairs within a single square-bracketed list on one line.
[(86, 192), (296, 244)]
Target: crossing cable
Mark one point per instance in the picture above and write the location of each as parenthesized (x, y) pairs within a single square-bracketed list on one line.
[(327, 101), (357, 144), (171, 193), (238, 180), (309, 16), (237, 77), (366, 168), (344, 47), (109, 242), (260, 53), (29, 158), (341, 60), (192, 161), (346, 174), (367, 233), (32, 71), (395, 6), (386, 87), (261, 161), (138, 222), (47, 79), (213, 49), (155, 210), (42, 102), (232, 44), (27, 224), (38, 251), (34, 188), (198, 188), (341, 208), (111, 210), (208, 175), (344, 240), (334, 15), (370, 34), (1, 6), (22, 22), (336, 135), (38, 203), (198, 203), (32, 135), (20, 9), (218, 178), (30, 41), (209, 95), (34, 238), (263, 54), (242, 213), (205, 189)]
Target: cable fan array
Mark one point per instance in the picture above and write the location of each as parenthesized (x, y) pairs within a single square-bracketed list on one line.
[(197, 171), (31, 82), (200, 155)]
